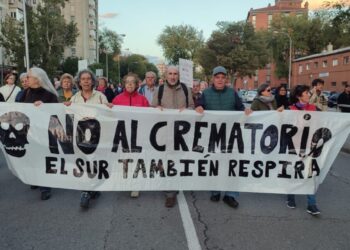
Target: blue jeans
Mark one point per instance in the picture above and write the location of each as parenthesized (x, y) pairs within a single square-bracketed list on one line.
[(230, 194), (311, 198)]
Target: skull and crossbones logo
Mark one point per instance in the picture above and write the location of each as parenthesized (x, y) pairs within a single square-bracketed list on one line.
[(14, 128)]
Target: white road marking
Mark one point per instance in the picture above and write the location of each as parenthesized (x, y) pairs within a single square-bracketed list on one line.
[(190, 230)]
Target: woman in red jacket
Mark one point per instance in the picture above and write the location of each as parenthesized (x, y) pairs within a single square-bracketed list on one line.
[(131, 97), (300, 98)]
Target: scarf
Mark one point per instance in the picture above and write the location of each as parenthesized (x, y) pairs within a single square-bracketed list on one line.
[(267, 100)]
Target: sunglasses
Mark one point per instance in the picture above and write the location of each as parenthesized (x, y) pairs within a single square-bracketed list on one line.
[(268, 90)]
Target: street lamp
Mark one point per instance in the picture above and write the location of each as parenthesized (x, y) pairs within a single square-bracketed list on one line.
[(290, 54)]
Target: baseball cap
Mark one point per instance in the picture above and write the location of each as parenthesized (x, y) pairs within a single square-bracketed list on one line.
[(218, 70)]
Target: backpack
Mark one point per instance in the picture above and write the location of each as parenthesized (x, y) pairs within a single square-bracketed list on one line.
[(161, 91)]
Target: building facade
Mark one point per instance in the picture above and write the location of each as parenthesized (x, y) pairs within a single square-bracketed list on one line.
[(333, 66), (261, 19), (85, 14)]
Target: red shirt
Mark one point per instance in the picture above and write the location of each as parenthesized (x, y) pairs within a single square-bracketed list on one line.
[(307, 107), (130, 99)]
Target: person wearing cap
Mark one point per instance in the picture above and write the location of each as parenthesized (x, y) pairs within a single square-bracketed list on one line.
[(172, 95), (220, 97), (317, 97), (265, 100), (344, 99)]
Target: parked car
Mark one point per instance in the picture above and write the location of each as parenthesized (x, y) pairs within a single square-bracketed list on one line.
[(250, 95), (241, 93), (333, 100)]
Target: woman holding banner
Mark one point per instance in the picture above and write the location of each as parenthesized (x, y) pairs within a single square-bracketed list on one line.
[(265, 100), (300, 98), (87, 82), (131, 97), (40, 90)]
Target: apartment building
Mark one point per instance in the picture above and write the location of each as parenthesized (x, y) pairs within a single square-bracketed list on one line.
[(261, 19), (333, 66), (85, 14)]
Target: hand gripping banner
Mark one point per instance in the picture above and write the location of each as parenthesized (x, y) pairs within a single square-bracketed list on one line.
[(93, 147)]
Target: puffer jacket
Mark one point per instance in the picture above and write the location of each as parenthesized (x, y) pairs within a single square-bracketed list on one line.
[(130, 99)]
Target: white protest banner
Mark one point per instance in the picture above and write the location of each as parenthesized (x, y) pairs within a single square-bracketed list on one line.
[(82, 64), (186, 72), (99, 72), (93, 147)]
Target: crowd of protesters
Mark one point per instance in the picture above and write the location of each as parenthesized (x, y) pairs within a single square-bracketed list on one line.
[(168, 93)]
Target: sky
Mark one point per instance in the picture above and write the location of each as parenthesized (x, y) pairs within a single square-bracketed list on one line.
[(142, 21)]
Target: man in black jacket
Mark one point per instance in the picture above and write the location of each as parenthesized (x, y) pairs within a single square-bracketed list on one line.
[(344, 99)]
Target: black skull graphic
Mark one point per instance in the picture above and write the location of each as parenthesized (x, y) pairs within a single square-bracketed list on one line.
[(14, 128)]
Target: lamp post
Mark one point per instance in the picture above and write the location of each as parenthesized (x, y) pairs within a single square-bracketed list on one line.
[(290, 55), (122, 35)]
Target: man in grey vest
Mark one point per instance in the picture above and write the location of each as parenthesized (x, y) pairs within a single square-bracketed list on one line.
[(221, 97)]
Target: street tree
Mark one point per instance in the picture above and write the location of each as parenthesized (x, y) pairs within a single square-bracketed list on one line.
[(110, 43), (237, 47), (48, 35), (181, 41)]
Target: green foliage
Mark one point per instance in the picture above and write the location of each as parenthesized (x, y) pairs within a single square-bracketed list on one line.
[(137, 64), (180, 42), (236, 47), (70, 65), (48, 35), (110, 41)]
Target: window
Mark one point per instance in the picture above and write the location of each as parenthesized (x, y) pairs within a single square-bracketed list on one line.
[(268, 79), (300, 69), (73, 51), (346, 60), (269, 21), (254, 21), (316, 65), (307, 66), (335, 62), (334, 84), (324, 64), (72, 18), (344, 83)]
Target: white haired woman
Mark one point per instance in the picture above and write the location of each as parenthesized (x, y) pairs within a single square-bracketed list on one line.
[(40, 90)]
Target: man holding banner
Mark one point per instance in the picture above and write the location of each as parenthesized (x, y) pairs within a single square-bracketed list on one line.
[(172, 95), (221, 97)]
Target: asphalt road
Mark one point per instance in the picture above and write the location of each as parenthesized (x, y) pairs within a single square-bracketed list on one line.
[(117, 221)]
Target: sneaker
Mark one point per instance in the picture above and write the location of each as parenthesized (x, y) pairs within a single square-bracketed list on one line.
[(170, 201), (291, 204), (85, 199), (215, 197), (45, 195), (313, 210), (134, 194), (230, 201)]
